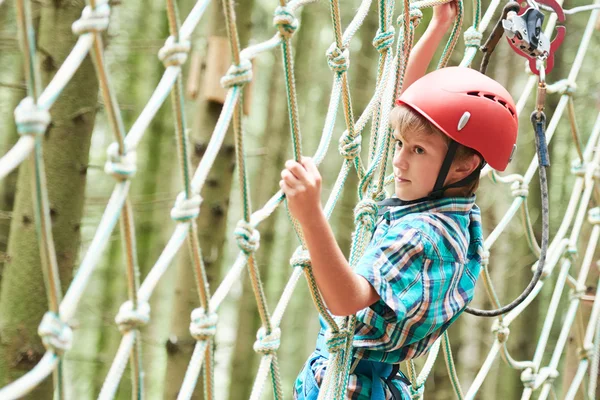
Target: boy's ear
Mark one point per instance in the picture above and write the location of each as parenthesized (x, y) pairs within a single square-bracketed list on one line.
[(468, 165)]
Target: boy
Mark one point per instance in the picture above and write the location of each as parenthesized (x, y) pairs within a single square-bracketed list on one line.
[(419, 271)]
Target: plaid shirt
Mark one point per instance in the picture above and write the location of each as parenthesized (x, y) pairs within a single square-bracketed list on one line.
[(423, 261)]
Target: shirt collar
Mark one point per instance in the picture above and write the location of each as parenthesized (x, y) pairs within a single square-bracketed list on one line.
[(456, 205)]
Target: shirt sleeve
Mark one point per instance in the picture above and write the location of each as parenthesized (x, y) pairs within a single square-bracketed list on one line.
[(393, 266)]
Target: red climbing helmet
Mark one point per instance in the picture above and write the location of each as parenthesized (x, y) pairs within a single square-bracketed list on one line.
[(471, 108)]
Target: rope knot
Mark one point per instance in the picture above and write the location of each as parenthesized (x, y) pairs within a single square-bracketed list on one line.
[(56, 335), (473, 37), (384, 40), (350, 147), (484, 254), (571, 252), (185, 208), (203, 326), (416, 15), (129, 318), (578, 168), (528, 378), (336, 341), (586, 352), (285, 20), (267, 343), (174, 54), (502, 331), (563, 86), (30, 119), (92, 19), (417, 393), (381, 196), (247, 238), (594, 216), (238, 74), (300, 258), (120, 166), (547, 374), (519, 189), (366, 213), (337, 59), (578, 292)]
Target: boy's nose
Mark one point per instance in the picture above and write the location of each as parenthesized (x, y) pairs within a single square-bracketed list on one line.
[(399, 160)]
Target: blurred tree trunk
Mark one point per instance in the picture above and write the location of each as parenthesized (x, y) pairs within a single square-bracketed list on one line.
[(11, 59), (213, 215), (23, 298)]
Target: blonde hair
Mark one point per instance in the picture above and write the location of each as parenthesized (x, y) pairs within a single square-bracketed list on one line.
[(408, 121)]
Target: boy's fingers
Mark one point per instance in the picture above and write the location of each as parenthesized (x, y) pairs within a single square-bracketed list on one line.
[(311, 167), (289, 178), (297, 169)]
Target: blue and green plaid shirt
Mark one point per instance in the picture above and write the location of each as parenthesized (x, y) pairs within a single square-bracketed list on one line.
[(423, 261)]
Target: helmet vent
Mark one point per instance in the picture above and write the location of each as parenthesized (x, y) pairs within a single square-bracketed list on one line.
[(494, 99)]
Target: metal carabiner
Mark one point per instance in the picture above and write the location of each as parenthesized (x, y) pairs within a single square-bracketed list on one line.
[(524, 33)]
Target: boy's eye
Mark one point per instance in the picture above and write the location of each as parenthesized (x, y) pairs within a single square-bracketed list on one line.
[(398, 143), (419, 150)]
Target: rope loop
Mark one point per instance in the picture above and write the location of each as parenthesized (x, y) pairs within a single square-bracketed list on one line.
[(502, 331), (237, 74), (267, 343), (30, 119), (92, 19), (520, 189), (129, 318), (350, 147), (384, 40), (203, 326), (473, 37), (185, 208), (336, 341), (366, 213), (594, 216), (337, 59), (56, 335), (120, 166), (301, 258), (247, 238), (285, 20), (174, 54)]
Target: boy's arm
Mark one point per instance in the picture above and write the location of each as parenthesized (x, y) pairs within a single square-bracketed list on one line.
[(344, 291), (422, 53)]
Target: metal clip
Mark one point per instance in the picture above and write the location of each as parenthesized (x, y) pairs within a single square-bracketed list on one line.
[(525, 36)]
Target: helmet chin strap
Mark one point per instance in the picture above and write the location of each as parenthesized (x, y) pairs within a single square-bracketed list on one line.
[(438, 188)]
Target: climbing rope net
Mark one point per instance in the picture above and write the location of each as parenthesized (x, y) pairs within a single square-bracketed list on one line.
[(32, 118)]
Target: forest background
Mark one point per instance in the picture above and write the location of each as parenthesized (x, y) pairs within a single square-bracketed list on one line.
[(79, 189)]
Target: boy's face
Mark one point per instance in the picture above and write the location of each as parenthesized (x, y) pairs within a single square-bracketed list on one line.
[(418, 157)]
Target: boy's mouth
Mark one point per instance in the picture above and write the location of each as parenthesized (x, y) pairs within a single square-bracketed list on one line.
[(400, 179)]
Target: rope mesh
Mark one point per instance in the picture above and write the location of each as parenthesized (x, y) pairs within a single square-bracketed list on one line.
[(32, 118)]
